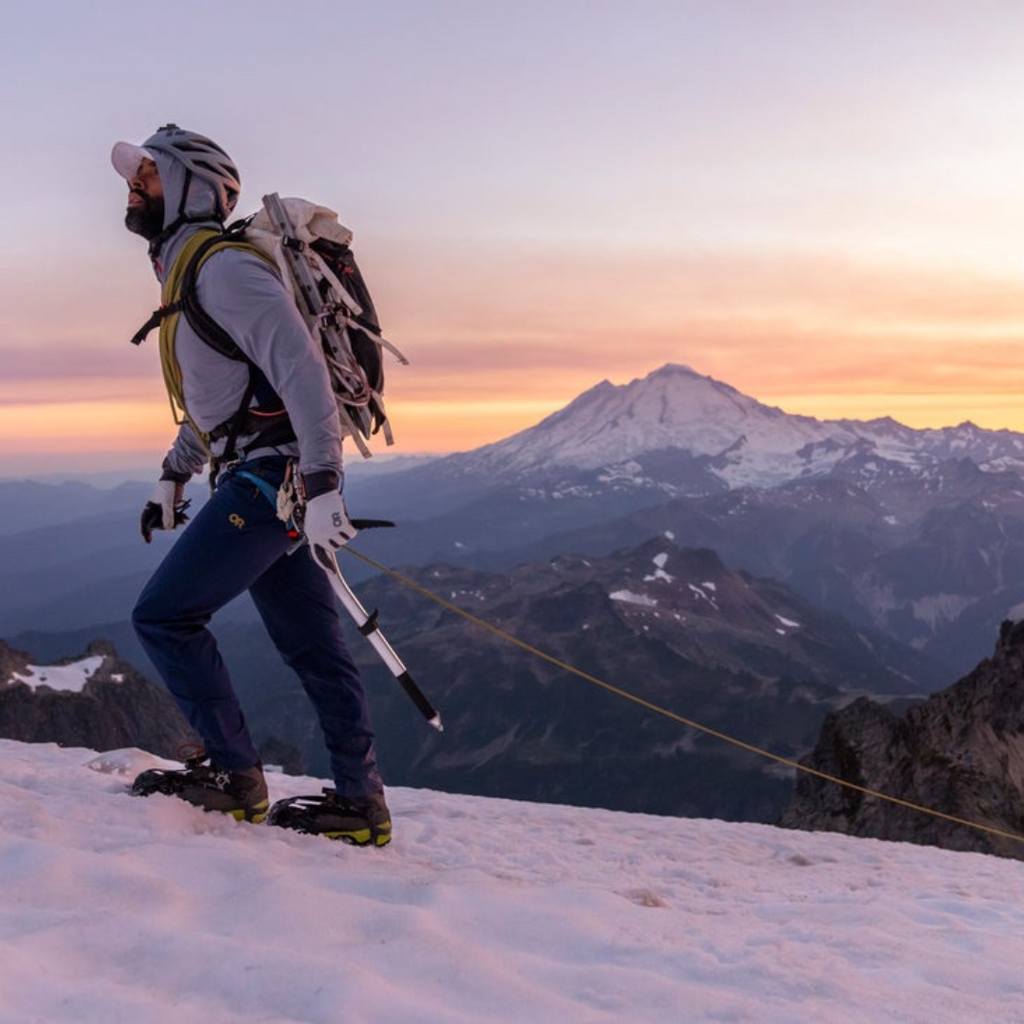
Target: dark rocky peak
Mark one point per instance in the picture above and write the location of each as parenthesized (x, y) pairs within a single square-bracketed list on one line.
[(11, 662), (93, 700), (960, 753)]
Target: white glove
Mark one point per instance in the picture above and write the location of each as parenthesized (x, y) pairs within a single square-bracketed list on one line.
[(167, 494), (327, 526), (165, 509)]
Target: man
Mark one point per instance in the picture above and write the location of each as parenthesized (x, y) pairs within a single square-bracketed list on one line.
[(181, 183)]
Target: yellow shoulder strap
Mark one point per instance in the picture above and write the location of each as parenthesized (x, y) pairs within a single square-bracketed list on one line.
[(170, 296)]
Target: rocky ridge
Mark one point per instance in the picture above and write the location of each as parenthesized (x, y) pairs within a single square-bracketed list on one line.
[(961, 753), (113, 707)]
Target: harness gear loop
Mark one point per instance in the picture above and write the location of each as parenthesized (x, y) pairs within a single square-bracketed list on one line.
[(284, 499)]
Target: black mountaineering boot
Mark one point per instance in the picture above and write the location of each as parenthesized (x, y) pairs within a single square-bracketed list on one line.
[(360, 820), (241, 794)]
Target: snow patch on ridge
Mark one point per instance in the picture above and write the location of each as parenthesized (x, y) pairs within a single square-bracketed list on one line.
[(628, 597), (787, 623), (659, 573), (937, 609), (700, 594), (67, 678)]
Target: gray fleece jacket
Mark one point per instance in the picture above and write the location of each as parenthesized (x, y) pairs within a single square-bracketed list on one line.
[(245, 296)]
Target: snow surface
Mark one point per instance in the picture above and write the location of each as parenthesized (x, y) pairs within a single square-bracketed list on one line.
[(118, 909)]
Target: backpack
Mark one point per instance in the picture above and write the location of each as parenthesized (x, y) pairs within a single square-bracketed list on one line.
[(312, 254)]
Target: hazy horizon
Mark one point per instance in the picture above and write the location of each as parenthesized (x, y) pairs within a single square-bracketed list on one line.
[(818, 204), (113, 468)]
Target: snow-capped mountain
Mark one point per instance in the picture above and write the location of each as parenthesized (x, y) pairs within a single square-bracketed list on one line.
[(671, 409), (919, 533), (733, 440)]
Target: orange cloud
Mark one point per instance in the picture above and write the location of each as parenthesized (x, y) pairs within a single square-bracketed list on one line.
[(499, 342), (79, 426)]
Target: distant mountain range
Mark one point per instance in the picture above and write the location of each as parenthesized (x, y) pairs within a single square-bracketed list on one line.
[(897, 551), (917, 533), (681, 433), (669, 626)]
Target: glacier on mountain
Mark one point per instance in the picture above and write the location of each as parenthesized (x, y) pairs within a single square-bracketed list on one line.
[(613, 429)]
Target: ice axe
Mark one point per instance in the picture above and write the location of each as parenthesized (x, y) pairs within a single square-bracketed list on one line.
[(367, 625)]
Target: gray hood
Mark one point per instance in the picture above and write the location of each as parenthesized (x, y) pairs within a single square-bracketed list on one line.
[(198, 205), (200, 202)]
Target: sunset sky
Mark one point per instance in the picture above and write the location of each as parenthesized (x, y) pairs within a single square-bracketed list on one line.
[(820, 203)]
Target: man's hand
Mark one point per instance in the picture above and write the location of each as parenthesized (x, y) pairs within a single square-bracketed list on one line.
[(165, 509), (327, 526)]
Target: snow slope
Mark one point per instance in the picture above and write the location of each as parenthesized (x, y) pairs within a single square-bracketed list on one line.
[(117, 909)]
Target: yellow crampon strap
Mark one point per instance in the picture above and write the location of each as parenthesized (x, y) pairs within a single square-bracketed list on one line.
[(170, 296)]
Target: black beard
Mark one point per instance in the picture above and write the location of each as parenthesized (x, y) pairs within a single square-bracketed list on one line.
[(146, 220)]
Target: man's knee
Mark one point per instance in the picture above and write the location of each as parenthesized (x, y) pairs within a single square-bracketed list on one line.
[(152, 614), (145, 622)]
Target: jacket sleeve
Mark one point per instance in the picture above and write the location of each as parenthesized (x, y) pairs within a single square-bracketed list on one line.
[(186, 457), (245, 296)]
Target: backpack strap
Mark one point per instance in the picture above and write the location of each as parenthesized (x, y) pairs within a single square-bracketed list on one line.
[(269, 420), (153, 322), (199, 320), (168, 315)]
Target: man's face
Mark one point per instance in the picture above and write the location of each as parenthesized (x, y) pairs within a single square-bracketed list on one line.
[(145, 213)]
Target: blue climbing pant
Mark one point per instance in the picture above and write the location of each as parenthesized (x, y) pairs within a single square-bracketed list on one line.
[(236, 543)]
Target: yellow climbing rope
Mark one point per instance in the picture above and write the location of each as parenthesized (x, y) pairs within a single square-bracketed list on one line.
[(657, 709)]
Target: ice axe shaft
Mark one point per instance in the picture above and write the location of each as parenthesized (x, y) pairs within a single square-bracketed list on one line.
[(367, 624)]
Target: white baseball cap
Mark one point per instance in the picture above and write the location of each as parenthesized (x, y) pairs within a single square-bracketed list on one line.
[(127, 158)]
